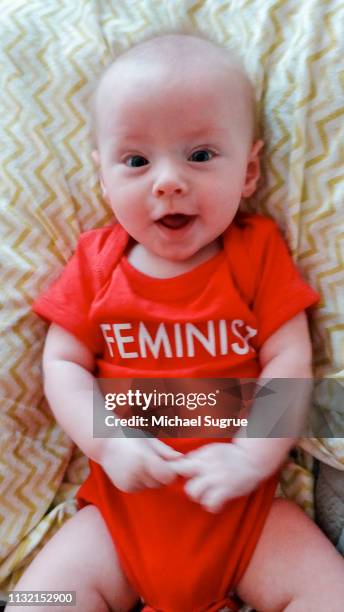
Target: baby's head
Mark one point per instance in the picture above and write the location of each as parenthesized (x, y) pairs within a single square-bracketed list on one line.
[(175, 142)]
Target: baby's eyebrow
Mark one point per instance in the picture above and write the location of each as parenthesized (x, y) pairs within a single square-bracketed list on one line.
[(205, 131), (129, 134), (193, 134)]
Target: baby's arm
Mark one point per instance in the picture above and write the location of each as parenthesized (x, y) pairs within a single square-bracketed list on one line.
[(218, 472), (69, 386), (286, 354)]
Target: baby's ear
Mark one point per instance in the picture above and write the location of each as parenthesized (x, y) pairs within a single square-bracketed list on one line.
[(95, 157), (252, 170)]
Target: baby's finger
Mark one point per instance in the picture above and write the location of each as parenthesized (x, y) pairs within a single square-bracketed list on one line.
[(197, 487), (213, 500), (206, 452), (150, 482), (187, 467), (165, 451), (161, 470)]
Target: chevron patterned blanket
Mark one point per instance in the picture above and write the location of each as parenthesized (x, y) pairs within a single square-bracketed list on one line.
[(52, 52)]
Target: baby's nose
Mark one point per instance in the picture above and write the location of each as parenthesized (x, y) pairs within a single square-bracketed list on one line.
[(169, 186)]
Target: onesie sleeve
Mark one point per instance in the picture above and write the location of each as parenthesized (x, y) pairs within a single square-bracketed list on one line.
[(280, 292), (67, 302)]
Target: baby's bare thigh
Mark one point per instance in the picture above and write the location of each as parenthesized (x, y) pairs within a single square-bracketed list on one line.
[(294, 566), (81, 557)]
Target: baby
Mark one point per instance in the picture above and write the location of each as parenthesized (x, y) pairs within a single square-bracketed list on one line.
[(187, 525)]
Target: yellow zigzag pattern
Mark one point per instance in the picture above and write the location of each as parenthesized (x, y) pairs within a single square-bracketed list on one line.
[(52, 53)]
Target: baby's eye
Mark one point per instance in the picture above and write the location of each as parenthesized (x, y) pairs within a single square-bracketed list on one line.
[(136, 161), (202, 155)]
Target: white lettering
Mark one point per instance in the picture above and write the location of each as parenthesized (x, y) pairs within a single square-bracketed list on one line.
[(178, 339), (161, 338), (223, 337), (251, 333), (208, 343), (239, 350), (224, 423), (117, 327), (108, 339)]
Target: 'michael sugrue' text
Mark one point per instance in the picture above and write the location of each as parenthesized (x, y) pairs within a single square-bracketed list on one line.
[(165, 421)]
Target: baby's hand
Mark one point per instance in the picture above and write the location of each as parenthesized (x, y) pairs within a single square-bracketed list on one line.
[(133, 464), (218, 472)]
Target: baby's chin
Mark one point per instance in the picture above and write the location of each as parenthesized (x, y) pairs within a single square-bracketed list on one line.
[(185, 254), (174, 255)]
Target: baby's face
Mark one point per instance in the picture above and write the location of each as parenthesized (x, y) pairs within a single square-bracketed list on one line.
[(175, 154)]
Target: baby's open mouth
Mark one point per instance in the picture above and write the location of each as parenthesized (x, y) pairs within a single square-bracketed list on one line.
[(175, 221)]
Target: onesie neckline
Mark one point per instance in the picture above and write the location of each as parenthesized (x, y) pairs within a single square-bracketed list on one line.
[(173, 288)]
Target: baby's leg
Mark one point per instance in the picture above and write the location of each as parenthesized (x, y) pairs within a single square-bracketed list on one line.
[(80, 557), (294, 567)]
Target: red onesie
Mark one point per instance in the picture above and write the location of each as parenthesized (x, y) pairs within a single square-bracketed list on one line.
[(208, 322)]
